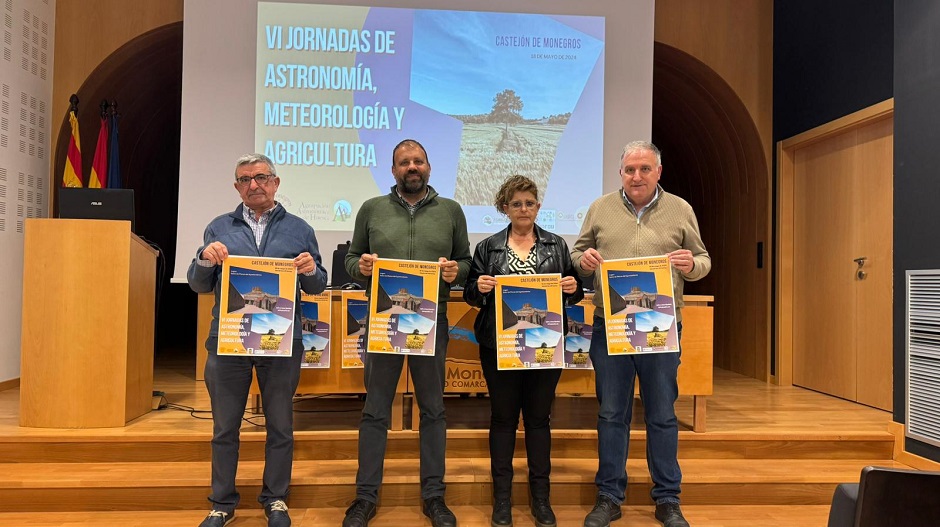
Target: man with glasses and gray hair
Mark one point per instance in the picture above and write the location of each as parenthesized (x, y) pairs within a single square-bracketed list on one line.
[(259, 226)]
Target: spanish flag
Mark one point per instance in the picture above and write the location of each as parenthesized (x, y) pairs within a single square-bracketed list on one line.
[(72, 177), (99, 165)]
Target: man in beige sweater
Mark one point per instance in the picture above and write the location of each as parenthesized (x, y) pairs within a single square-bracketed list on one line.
[(641, 219)]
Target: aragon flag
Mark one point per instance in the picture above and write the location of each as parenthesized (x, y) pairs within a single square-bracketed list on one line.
[(72, 177), (99, 165)]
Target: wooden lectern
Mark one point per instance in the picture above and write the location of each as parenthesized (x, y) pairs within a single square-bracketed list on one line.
[(88, 324)]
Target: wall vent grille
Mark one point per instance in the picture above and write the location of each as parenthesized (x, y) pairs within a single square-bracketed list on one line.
[(923, 356)]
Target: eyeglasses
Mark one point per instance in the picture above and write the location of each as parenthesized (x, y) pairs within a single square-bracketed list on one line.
[(516, 205), (260, 179)]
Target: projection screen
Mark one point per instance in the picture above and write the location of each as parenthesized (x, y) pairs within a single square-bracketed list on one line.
[(547, 89)]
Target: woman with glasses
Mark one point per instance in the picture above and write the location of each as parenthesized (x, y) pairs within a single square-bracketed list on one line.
[(522, 248)]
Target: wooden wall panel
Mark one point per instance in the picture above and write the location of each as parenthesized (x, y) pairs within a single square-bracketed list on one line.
[(86, 33), (732, 37), (709, 157)]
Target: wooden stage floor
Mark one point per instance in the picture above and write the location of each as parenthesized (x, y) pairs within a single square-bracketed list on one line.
[(771, 456), (739, 405)]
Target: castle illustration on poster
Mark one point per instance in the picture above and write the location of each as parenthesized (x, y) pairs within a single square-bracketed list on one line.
[(256, 306), (578, 333), (315, 326), (639, 311), (355, 309), (529, 331), (403, 307)]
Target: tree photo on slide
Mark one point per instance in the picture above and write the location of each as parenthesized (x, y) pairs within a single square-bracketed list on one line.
[(507, 108)]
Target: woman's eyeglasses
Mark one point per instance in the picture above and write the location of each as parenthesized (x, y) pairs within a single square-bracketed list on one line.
[(516, 205)]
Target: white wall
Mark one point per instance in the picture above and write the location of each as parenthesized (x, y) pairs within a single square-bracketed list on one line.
[(26, 51)]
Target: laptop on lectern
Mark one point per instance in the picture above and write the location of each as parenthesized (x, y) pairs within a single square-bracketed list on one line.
[(97, 204)]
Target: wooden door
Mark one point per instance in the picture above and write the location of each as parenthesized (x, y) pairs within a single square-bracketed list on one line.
[(874, 293), (823, 289), (842, 331)]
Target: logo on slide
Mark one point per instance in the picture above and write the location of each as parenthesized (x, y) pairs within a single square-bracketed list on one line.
[(580, 214), (342, 210)]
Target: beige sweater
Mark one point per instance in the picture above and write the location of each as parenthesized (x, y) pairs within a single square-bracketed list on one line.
[(668, 224)]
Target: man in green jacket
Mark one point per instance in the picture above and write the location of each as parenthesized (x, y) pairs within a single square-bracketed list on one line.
[(640, 219), (412, 222)]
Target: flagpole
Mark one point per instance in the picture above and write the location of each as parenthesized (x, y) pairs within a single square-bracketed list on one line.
[(114, 158)]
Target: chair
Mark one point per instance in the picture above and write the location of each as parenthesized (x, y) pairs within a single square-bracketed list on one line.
[(887, 497), (340, 279)]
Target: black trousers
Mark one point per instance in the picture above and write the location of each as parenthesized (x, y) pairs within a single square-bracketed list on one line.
[(532, 392)]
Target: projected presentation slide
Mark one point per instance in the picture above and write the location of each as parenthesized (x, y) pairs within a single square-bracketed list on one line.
[(488, 94)]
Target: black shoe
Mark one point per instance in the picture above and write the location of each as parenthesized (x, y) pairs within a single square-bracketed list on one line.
[(502, 514), (440, 515), (542, 512), (218, 519), (276, 513), (604, 512), (359, 513), (671, 515)]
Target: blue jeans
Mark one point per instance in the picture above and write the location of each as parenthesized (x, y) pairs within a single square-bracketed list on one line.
[(228, 380), (382, 371), (659, 389)]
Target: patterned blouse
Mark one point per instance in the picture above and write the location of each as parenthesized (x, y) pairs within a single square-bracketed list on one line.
[(518, 265)]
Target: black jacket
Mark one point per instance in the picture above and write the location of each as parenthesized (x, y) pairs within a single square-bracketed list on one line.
[(490, 258)]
